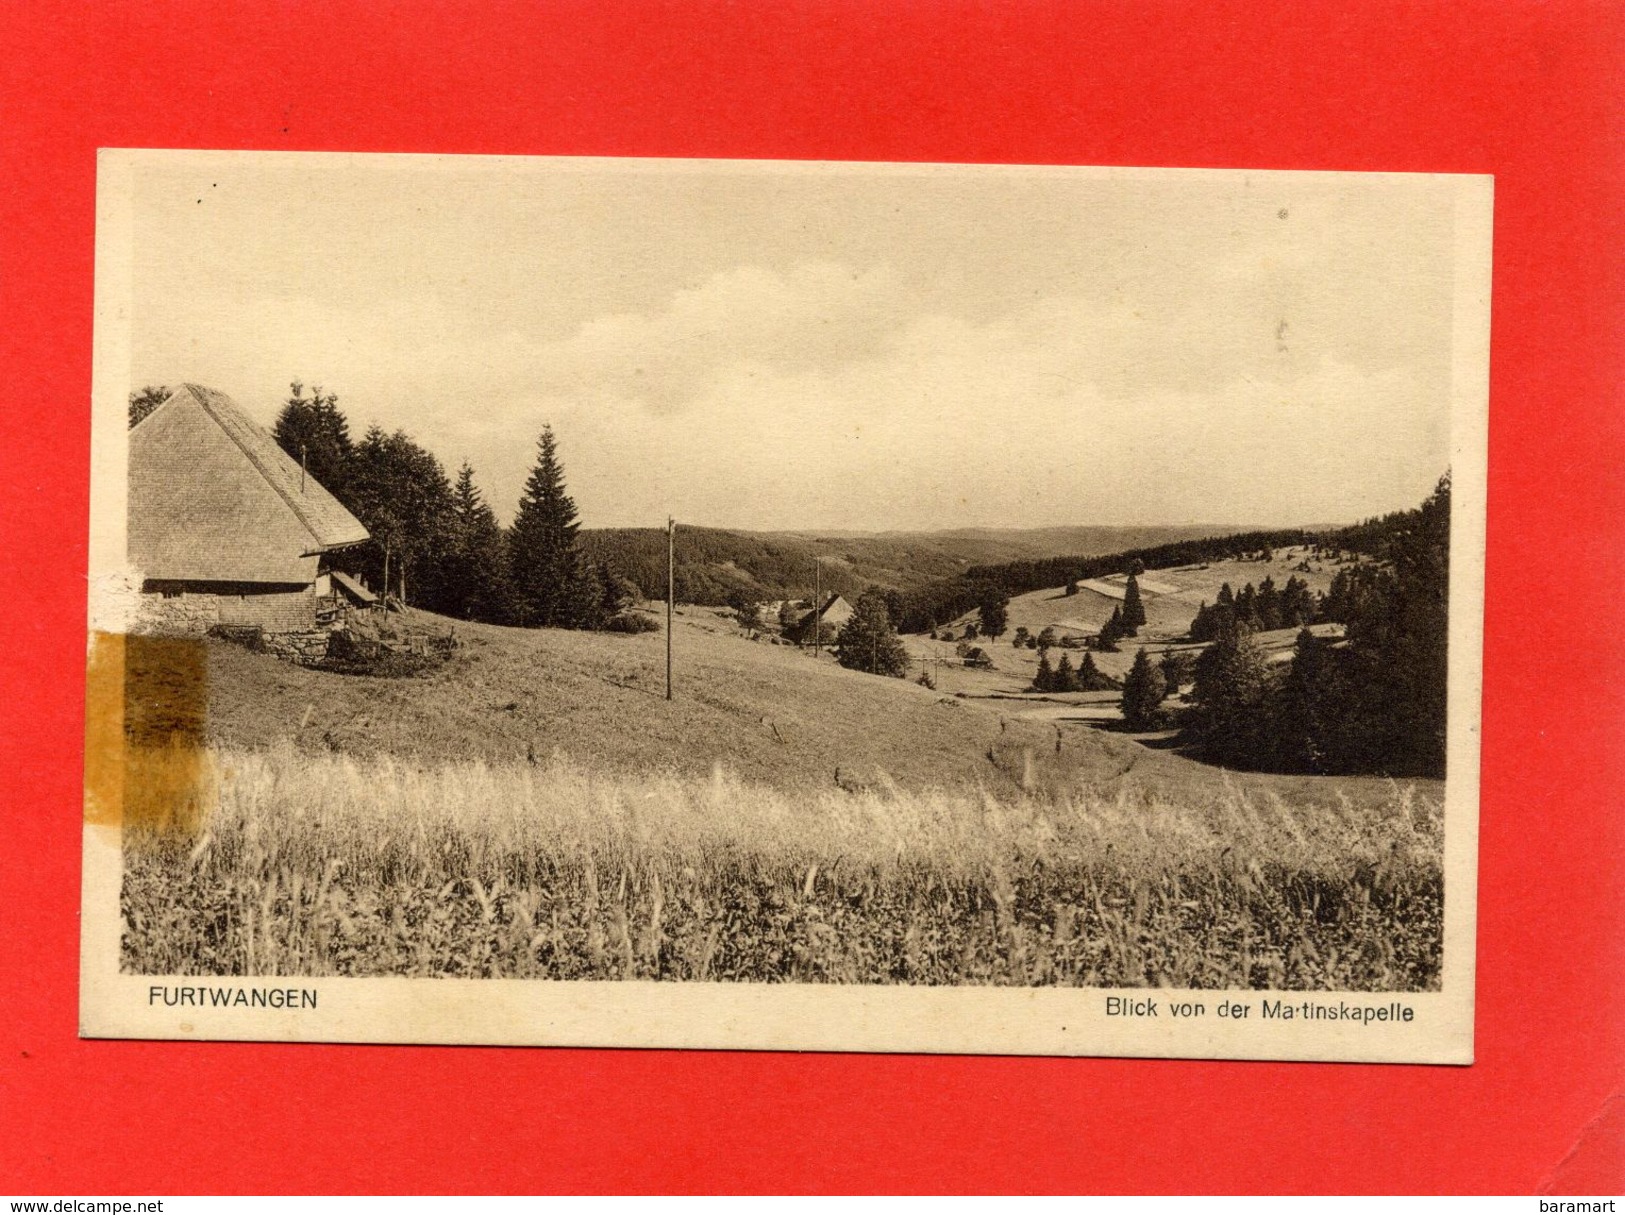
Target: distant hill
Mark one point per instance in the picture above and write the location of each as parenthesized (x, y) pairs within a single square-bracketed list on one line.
[(714, 562)]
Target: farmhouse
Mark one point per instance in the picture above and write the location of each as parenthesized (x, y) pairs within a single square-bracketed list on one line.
[(835, 612), (226, 529)]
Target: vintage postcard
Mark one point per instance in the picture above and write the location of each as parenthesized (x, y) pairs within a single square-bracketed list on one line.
[(771, 605)]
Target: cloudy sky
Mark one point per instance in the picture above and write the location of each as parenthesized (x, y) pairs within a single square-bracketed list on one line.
[(828, 347)]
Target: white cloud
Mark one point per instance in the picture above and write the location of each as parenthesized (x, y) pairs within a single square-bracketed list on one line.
[(1279, 371)]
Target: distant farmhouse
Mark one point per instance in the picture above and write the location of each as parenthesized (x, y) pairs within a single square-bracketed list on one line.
[(226, 529), (835, 612)]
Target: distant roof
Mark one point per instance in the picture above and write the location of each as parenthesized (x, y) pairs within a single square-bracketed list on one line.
[(323, 516), (829, 605)]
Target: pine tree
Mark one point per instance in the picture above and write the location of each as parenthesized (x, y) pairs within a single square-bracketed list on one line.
[(867, 641), (1133, 610), (994, 613), (1111, 632), (1307, 709), (552, 585), (1230, 714), (1176, 670), (316, 435), (477, 569), (1202, 623), (1143, 691), (148, 399), (1066, 679), (400, 494), (1398, 641), (1296, 605), (1044, 681), (1089, 677), (1246, 608)]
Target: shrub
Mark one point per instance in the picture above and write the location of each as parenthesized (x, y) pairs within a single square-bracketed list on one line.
[(350, 653), (632, 622)]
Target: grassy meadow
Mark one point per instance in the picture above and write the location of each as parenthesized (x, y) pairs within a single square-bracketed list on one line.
[(535, 809), (304, 865)]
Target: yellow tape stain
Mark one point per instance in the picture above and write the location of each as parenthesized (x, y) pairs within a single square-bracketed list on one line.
[(146, 706)]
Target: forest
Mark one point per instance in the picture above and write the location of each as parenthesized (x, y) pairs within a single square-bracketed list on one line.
[(1370, 701), (1374, 701)]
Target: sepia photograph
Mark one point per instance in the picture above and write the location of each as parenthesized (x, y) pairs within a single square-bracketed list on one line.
[(764, 604)]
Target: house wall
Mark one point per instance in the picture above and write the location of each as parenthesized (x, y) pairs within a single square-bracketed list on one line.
[(195, 607)]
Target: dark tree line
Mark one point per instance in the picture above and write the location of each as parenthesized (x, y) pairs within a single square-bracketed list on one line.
[(1261, 608), (1063, 677), (1372, 702), (949, 598), (718, 565)]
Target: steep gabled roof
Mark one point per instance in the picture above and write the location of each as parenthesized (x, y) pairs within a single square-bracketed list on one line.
[(823, 612), (830, 603), (212, 498), (323, 516)]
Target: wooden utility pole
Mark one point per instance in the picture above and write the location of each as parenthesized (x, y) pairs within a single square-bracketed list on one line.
[(671, 593), (818, 607)]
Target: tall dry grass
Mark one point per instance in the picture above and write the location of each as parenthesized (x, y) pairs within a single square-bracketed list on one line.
[(309, 865)]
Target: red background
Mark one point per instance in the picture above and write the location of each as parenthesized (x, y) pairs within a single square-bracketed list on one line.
[(1526, 92)]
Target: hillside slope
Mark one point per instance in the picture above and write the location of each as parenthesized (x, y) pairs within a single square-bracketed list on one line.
[(769, 714), (711, 562)]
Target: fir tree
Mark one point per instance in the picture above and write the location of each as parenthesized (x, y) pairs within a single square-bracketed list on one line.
[(1296, 605), (1268, 605), (1143, 691), (552, 584), (867, 642), (1133, 613), (1111, 632), (316, 435), (1066, 679), (1176, 670), (1246, 608), (1044, 681), (1202, 623), (994, 613), (400, 494), (148, 399), (477, 566), (1090, 678), (1305, 732), (1230, 713)]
